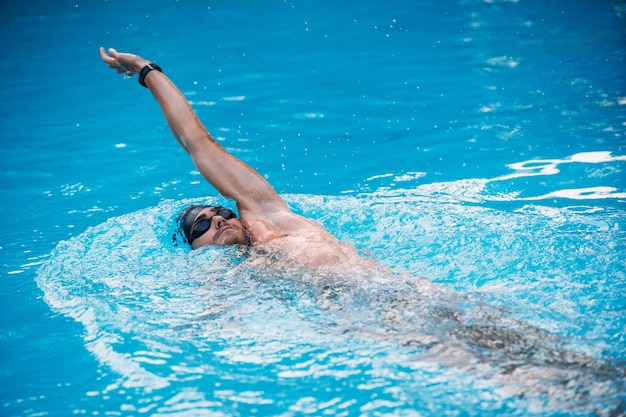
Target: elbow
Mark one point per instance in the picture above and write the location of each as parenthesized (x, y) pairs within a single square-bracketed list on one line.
[(193, 140)]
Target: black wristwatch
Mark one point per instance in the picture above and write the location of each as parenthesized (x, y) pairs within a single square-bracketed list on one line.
[(145, 70)]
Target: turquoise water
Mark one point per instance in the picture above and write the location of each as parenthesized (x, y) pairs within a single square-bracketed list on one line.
[(476, 144)]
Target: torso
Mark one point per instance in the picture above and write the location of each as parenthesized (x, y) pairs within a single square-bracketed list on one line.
[(305, 242), (310, 250)]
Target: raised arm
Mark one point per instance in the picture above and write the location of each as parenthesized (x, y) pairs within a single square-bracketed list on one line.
[(264, 214), (229, 175)]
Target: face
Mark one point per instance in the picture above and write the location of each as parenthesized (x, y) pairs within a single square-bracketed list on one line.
[(221, 231)]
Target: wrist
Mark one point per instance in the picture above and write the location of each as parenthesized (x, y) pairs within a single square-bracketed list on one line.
[(145, 70), (139, 64)]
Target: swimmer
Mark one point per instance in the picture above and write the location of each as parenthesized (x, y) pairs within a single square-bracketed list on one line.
[(526, 360), (265, 219)]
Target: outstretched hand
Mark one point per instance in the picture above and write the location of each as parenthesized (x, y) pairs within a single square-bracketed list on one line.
[(123, 63)]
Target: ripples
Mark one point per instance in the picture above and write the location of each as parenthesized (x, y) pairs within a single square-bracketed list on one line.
[(600, 177), (201, 333)]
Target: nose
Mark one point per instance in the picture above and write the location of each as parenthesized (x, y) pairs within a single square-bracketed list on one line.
[(218, 220)]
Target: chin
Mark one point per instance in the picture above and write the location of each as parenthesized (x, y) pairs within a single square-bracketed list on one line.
[(234, 239)]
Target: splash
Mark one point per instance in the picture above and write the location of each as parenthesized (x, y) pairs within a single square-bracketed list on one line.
[(489, 309)]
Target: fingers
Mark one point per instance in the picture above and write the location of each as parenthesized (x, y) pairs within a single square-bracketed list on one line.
[(110, 58), (103, 54), (123, 63)]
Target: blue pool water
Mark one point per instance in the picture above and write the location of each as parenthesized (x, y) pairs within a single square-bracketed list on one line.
[(479, 145)]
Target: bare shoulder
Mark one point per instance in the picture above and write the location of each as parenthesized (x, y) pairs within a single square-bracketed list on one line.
[(302, 241), (281, 224)]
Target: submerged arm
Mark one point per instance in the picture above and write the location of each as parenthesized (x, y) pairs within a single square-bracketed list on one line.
[(229, 175)]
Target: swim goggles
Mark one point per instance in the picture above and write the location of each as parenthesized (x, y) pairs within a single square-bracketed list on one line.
[(199, 228)]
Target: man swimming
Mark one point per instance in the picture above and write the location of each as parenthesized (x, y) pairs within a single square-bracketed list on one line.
[(265, 219), (524, 359)]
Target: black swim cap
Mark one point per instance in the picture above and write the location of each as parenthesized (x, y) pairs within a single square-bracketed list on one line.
[(186, 218)]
